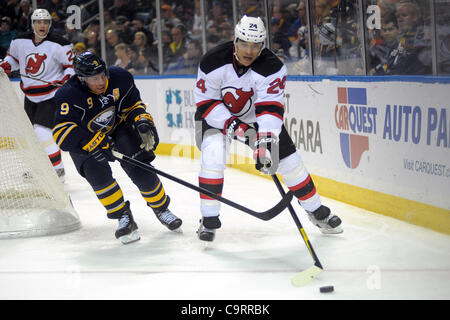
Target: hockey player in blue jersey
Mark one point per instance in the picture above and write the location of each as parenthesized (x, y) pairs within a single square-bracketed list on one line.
[(100, 108)]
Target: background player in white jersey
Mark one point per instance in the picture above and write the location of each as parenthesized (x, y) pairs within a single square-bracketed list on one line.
[(239, 95), (45, 56)]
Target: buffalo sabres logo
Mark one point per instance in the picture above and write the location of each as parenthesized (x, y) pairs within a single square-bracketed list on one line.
[(237, 101), (104, 121), (35, 64)]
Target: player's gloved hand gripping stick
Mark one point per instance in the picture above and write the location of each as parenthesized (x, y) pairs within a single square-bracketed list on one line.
[(266, 215), (146, 128)]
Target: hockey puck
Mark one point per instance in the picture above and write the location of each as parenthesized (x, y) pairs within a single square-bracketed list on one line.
[(326, 289)]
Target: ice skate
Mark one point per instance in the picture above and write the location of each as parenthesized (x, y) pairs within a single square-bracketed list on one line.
[(127, 231), (167, 218), (327, 222), (207, 228)]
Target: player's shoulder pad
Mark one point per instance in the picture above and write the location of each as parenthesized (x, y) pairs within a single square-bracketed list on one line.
[(71, 89), (267, 63), (217, 57), (24, 35), (117, 73), (54, 37)]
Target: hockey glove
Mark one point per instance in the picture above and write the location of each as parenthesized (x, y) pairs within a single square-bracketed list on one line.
[(266, 153), (234, 128), (99, 147), (146, 128), (6, 66)]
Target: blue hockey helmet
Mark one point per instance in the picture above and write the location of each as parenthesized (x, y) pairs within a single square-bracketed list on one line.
[(88, 64)]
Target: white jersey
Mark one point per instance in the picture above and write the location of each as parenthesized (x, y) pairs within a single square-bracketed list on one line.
[(50, 60), (254, 94)]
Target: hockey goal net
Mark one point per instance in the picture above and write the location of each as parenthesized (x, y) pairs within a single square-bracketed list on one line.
[(33, 201)]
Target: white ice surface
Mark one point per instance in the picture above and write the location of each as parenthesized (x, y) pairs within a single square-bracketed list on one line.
[(376, 257)]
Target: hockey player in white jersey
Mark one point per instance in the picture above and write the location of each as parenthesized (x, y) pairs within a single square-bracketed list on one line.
[(239, 95), (47, 58)]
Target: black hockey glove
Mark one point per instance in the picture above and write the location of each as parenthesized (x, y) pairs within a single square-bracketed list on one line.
[(266, 153), (146, 128), (99, 147), (234, 128)]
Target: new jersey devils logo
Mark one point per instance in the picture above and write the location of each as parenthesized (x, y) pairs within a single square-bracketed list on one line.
[(35, 64), (237, 101)]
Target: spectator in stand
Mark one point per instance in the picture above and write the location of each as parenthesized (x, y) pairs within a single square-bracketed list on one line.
[(408, 17), (184, 11), (166, 39), (123, 29), (92, 42), (411, 57), (108, 21), (217, 22), (11, 10), (298, 22), (387, 8), (279, 38), (58, 12), (138, 24), (327, 48), (6, 35), (24, 20), (188, 62), (290, 13), (178, 45), (381, 53), (123, 59), (123, 8), (112, 39), (218, 16), (227, 33), (169, 19), (145, 65), (94, 26), (133, 53), (140, 41)]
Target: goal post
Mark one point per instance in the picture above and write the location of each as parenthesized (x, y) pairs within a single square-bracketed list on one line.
[(33, 201)]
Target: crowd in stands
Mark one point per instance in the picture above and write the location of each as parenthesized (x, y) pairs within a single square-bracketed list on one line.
[(397, 42)]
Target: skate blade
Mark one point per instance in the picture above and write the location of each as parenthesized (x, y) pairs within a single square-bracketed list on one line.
[(178, 230), (130, 238), (305, 277), (336, 230)]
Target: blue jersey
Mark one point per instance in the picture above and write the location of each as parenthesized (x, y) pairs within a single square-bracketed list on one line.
[(81, 114)]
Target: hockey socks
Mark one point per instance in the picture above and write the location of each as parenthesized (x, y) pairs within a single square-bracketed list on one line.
[(159, 201), (156, 197), (111, 197)]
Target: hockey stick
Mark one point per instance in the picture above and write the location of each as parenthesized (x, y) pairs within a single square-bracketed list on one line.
[(266, 215), (47, 82), (306, 276)]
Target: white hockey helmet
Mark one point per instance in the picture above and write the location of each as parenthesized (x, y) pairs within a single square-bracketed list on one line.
[(40, 14), (250, 29)]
